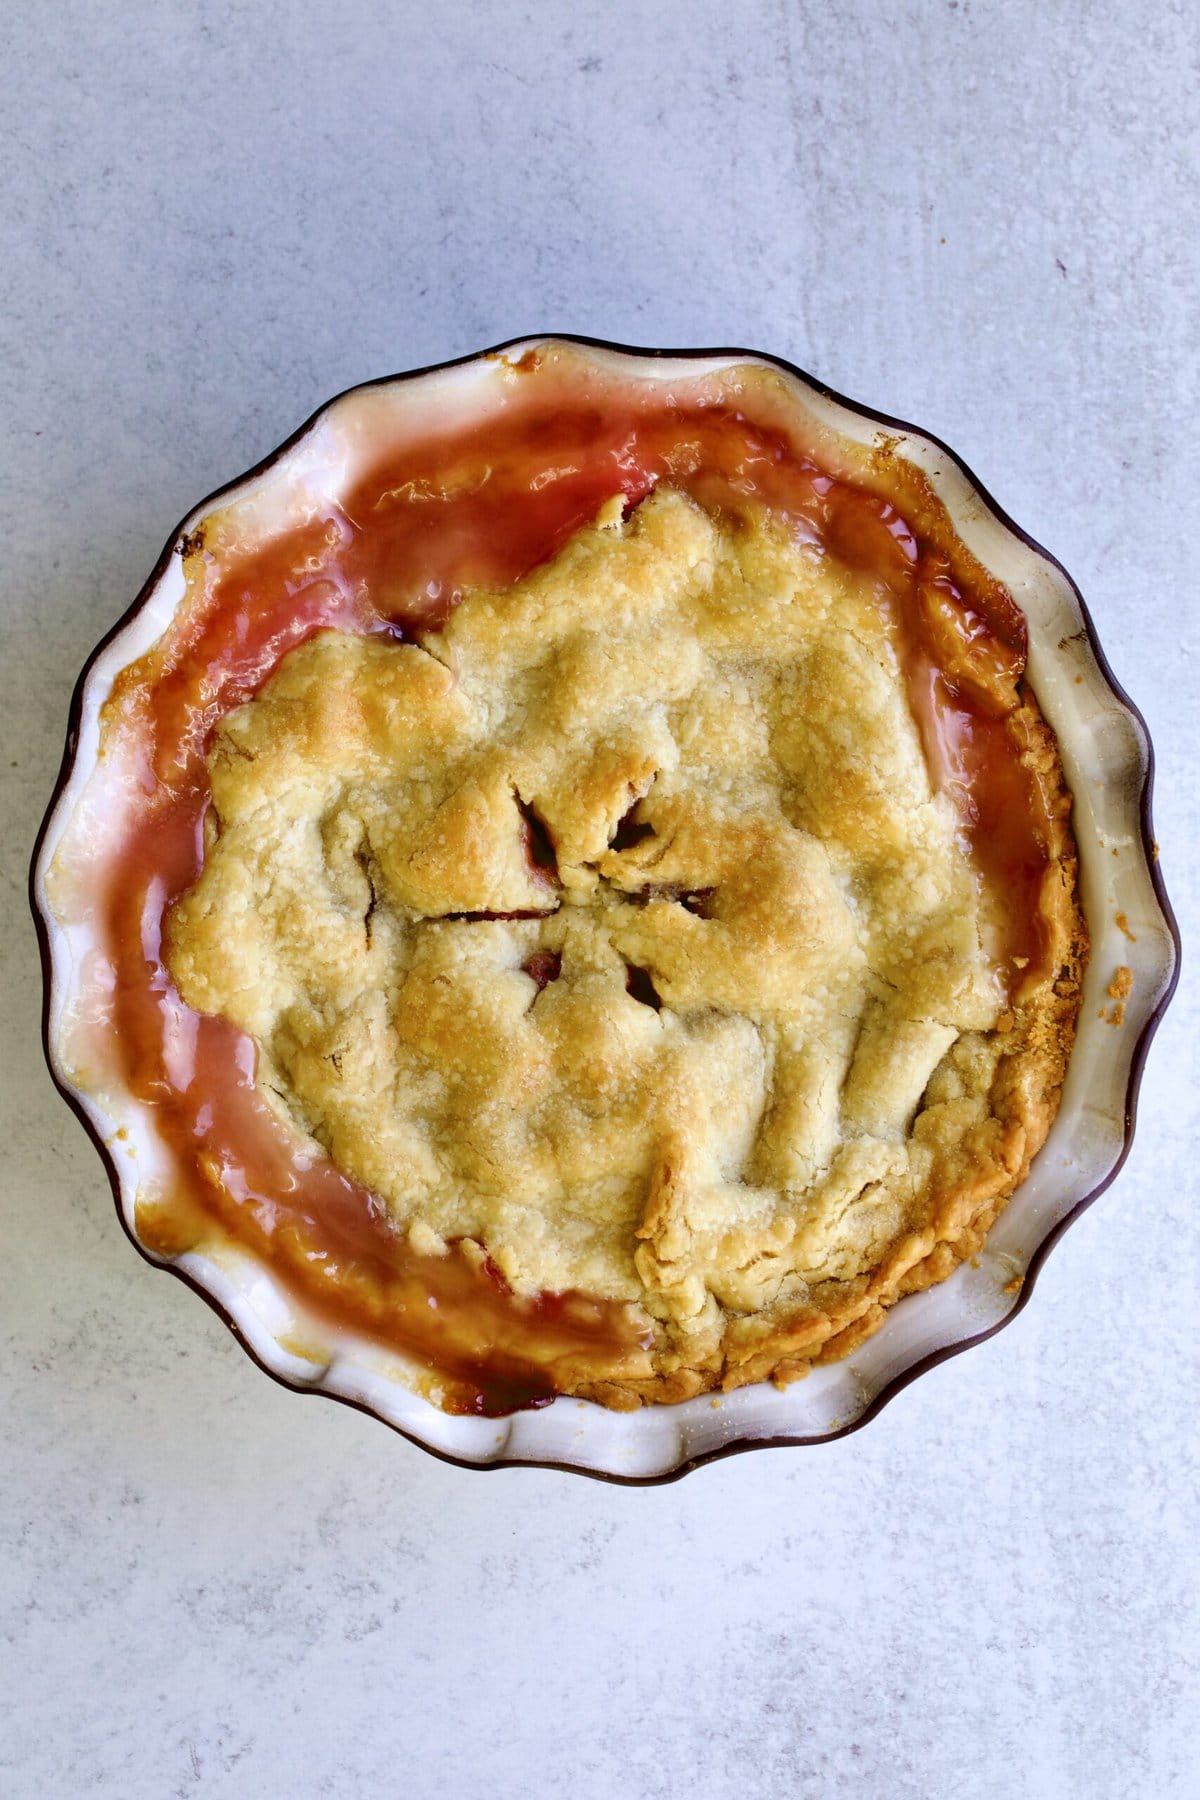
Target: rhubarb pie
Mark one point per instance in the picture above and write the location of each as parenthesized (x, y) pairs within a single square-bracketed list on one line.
[(598, 911)]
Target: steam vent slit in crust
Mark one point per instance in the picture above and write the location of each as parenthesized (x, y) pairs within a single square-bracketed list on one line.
[(600, 914)]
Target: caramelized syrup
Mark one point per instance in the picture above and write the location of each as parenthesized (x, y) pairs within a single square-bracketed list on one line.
[(440, 517)]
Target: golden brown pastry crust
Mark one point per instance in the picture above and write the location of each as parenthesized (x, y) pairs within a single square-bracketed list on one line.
[(619, 927)]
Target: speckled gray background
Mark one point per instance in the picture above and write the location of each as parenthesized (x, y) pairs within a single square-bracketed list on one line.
[(982, 217)]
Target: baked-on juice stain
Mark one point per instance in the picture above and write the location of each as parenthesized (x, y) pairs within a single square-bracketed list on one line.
[(444, 515)]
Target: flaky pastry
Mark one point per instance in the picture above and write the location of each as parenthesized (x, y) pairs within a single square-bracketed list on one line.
[(621, 927)]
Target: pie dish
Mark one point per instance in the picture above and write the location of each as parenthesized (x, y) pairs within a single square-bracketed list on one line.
[(568, 887)]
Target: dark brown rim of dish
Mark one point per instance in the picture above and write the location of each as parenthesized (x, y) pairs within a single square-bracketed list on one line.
[(1140, 1051)]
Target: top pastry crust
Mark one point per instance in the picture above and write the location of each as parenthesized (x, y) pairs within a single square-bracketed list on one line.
[(619, 927)]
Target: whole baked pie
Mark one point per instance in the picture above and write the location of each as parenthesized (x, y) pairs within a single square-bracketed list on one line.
[(600, 909)]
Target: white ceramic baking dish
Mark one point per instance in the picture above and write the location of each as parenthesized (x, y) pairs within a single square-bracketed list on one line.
[(1108, 762)]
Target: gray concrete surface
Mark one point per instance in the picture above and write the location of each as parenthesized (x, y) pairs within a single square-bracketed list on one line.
[(980, 217)]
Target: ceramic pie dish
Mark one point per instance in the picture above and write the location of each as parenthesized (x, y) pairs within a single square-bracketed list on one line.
[(435, 952)]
